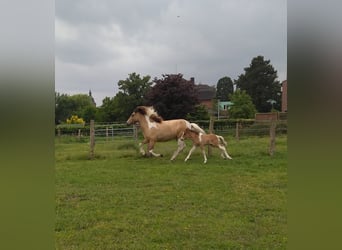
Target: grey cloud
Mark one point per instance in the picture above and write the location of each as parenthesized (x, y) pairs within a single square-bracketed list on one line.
[(204, 39)]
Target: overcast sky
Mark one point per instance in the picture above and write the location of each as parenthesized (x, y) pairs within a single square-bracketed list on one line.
[(99, 42)]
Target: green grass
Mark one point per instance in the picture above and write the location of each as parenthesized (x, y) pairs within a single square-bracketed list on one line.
[(121, 200)]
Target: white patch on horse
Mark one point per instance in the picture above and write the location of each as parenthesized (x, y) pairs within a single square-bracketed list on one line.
[(200, 137), (149, 123)]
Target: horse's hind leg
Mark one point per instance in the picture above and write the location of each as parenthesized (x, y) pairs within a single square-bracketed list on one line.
[(181, 146), (224, 152)]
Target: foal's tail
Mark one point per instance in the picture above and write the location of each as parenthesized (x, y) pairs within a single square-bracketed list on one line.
[(222, 140), (197, 128)]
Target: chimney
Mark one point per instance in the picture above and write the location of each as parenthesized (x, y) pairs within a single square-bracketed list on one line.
[(192, 80)]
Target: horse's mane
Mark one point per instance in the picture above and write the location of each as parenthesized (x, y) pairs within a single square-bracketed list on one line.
[(150, 112), (156, 118)]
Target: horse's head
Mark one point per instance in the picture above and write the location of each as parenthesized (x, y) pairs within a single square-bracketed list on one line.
[(142, 111), (132, 119), (136, 115)]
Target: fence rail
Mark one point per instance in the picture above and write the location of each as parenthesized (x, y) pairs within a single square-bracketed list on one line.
[(102, 133), (111, 131)]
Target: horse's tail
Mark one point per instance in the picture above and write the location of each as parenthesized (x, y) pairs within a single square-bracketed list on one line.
[(222, 139), (197, 128)]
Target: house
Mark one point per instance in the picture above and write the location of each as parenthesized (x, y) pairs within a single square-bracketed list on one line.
[(206, 94), (284, 96), (224, 106)]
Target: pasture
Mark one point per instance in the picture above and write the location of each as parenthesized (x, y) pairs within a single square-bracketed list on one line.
[(121, 200)]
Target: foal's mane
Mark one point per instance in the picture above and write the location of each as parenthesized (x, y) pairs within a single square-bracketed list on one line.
[(150, 112)]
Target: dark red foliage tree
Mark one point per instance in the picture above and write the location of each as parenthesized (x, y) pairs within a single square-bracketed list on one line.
[(172, 96)]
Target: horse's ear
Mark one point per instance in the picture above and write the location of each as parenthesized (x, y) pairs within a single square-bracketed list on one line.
[(141, 110)]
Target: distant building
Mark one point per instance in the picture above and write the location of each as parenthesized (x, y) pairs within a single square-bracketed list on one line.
[(92, 98), (206, 94), (284, 96), (223, 109), (225, 105)]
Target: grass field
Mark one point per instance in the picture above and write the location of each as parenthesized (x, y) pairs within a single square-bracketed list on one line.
[(121, 200)]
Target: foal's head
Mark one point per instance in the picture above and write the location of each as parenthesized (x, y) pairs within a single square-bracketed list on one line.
[(188, 133)]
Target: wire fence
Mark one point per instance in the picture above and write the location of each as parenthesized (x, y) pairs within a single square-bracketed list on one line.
[(105, 132)]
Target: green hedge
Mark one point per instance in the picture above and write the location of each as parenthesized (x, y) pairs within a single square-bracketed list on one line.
[(72, 129)]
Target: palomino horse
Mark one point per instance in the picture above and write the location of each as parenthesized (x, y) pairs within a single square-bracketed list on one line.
[(155, 129), (199, 139)]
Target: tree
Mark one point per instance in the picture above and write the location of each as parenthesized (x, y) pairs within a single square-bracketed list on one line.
[(66, 106), (131, 94), (135, 86), (90, 113), (243, 106), (200, 113), (224, 88), (172, 96), (259, 81)]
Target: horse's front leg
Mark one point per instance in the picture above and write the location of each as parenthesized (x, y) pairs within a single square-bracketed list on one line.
[(181, 146), (141, 147), (150, 150)]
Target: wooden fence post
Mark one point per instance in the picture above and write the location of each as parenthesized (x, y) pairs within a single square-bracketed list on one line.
[(272, 137), (211, 130), (92, 139), (107, 133), (59, 133), (79, 134), (237, 132)]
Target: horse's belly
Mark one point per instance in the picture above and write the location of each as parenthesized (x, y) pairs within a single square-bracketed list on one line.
[(166, 137)]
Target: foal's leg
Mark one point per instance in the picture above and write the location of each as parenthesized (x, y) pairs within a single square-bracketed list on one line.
[(190, 152), (204, 155), (181, 146), (224, 152)]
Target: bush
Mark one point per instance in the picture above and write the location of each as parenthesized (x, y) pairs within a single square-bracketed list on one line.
[(74, 119)]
